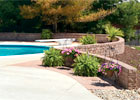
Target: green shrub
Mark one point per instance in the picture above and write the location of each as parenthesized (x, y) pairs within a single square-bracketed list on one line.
[(88, 39), (86, 65), (52, 58), (113, 32), (46, 34)]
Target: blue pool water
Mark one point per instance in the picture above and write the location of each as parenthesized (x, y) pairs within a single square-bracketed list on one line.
[(9, 50)]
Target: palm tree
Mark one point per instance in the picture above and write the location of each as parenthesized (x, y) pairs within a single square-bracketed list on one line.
[(113, 32)]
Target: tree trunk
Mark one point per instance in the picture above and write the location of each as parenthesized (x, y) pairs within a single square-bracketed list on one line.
[(55, 27)]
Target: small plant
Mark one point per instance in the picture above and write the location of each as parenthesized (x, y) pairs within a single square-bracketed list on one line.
[(52, 58), (88, 39), (110, 67), (46, 34), (70, 52), (69, 55), (112, 32), (86, 65)]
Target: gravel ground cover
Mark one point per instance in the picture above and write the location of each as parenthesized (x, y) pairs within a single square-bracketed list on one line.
[(117, 94)]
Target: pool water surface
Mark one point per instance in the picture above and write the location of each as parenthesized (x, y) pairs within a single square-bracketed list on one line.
[(9, 50)]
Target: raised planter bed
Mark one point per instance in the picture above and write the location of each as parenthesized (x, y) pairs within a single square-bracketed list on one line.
[(106, 49), (103, 47)]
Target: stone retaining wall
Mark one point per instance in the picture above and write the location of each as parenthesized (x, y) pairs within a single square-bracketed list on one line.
[(35, 36), (128, 78), (19, 36), (106, 49)]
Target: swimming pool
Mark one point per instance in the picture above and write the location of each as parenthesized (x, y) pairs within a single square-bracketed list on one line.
[(9, 50)]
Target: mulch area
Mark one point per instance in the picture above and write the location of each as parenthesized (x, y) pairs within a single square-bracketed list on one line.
[(130, 56)]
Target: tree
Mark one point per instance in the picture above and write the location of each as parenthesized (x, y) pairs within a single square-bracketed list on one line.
[(102, 9), (7, 15), (11, 20), (55, 11), (127, 15)]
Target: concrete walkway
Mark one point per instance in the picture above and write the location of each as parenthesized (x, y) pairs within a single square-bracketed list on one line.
[(28, 83)]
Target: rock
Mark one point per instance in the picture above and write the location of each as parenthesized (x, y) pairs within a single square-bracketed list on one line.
[(133, 47), (138, 91)]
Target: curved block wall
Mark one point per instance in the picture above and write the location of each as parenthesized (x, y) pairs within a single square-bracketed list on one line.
[(106, 49)]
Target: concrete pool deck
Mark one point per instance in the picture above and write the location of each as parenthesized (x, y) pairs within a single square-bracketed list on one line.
[(30, 83), (22, 83)]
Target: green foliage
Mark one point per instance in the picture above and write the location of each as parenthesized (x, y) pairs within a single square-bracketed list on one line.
[(55, 11), (113, 32), (129, 33), (127, 16), (46, 34), (127, 13), (86, 65), (88, 39), (52, 58), (12, 21), (8, 15), (98, 26)]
